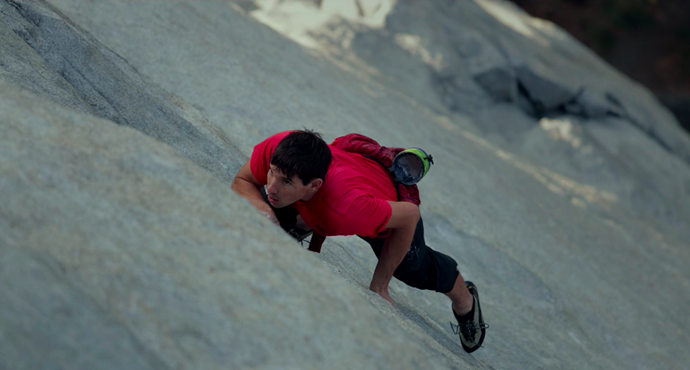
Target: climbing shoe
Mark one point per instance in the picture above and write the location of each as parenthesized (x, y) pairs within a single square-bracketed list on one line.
[(471, 327)]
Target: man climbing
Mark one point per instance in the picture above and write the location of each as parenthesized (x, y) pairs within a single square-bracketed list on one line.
[(296, 179)]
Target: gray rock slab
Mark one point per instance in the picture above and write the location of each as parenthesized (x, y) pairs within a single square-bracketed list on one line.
[(448, 59), (87, 75), (574, 229), (458, 47), (118, 252)]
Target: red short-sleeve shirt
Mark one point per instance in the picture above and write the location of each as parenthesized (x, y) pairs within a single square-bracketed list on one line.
[(353, 199)]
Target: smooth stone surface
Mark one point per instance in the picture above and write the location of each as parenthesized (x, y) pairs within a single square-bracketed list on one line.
[(122, 245)]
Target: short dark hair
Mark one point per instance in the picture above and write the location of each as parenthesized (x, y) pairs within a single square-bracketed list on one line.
[(303, 153)]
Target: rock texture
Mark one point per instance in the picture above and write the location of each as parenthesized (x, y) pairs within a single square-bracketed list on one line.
[(561, 187)]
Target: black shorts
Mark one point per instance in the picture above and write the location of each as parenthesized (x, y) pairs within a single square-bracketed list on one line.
[(422, 267)]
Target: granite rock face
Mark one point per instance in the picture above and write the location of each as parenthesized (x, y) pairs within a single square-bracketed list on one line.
[(561, 187), (84, 74), (119, 253)]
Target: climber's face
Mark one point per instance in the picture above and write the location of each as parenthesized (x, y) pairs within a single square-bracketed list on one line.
[(283, 191)]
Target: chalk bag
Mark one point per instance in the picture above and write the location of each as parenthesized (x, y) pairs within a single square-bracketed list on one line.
[(410, 165)]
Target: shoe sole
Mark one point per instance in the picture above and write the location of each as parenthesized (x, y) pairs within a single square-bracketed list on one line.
[(475, 293)]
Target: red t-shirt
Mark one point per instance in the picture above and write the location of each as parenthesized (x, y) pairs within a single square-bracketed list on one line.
[(353, 199)]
